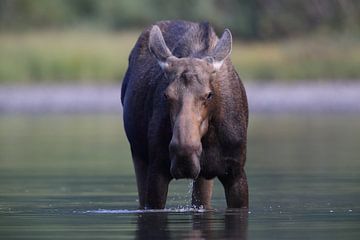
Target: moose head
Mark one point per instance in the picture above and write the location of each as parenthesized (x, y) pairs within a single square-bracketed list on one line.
[(191, 98)]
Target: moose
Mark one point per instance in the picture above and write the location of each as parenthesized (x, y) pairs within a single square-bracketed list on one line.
[(185, 114)]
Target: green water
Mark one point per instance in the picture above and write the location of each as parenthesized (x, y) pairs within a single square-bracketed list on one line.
[(71, 177)]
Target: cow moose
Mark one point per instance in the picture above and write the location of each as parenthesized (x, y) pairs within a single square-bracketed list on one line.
[(185, 114)]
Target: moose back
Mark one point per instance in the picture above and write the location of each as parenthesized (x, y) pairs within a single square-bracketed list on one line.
[(185, 113)]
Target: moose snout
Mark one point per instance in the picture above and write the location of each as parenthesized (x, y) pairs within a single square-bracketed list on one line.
[(185, 160)]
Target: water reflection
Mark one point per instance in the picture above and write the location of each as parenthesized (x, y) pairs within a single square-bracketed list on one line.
[(152, 226), (232, 224), (236, 224)]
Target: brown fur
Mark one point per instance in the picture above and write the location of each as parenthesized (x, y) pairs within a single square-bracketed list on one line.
[(175, 127)]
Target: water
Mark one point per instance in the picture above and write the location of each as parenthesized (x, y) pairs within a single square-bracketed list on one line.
[(71, 177)]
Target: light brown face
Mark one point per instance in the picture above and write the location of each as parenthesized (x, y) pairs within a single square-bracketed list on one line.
[(190, 99)]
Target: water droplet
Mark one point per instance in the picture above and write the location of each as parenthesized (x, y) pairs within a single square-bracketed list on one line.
[(189, 195)]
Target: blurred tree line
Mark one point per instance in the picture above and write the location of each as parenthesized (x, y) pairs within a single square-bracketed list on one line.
[(248, 19)]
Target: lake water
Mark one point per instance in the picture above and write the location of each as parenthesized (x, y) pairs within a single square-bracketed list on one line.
[(71, 177)]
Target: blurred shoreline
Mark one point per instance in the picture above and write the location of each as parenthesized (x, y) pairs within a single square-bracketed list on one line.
[(76, 57), (275, 97)]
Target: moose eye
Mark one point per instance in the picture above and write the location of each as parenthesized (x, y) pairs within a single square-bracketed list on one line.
[(166, 96), (209, 96)]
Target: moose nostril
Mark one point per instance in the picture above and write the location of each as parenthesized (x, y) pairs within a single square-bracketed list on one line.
[(173, 147)]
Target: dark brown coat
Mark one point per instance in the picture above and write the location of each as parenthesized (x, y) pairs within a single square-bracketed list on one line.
[(185, 113)]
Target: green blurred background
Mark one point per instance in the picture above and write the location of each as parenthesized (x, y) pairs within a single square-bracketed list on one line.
[(88, 41)]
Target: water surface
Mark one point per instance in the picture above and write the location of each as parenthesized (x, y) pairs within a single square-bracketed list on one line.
[(71, 177)]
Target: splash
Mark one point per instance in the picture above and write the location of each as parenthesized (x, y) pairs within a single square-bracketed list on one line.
[(188, 195), (183, 200), (186, 208), (126, 211)]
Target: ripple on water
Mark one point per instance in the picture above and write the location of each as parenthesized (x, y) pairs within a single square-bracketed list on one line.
[(126, 211)]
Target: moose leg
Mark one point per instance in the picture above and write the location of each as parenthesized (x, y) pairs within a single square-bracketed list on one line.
[(157, 189), (236, 190), (141, 176), (202, 191)]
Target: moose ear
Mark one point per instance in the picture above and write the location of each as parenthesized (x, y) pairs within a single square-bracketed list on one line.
[(222, 49), (157, 46)]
